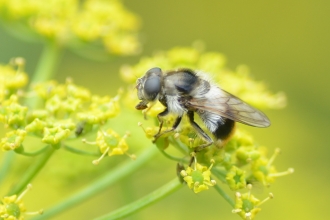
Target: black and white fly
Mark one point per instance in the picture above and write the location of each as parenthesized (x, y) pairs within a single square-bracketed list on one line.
[(185, 92)]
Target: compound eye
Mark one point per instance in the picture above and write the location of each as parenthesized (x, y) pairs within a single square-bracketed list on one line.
[(152, 87)]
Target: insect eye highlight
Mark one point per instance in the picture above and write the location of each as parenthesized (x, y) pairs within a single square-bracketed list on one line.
[(154, 71), (152, 86)]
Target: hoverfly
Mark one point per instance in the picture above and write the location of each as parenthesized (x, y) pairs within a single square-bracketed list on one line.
[(186, 92)]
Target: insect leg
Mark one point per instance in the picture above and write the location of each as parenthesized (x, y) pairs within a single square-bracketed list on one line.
[(200, 132), (161, 121), (175, 125)]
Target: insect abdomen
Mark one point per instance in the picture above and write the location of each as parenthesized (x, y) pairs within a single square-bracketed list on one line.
[(225, 129), (221, 128)]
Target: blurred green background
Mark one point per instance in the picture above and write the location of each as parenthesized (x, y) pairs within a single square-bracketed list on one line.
[(285, 43)]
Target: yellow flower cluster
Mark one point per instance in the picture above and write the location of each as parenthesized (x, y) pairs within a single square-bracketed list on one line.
[(66, 106), (12, 78), (65, 111), (75, 23)]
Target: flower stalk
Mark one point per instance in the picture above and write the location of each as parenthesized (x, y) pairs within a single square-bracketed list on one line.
[(103, 183), (142, 203), (46, 67), (32, 171)]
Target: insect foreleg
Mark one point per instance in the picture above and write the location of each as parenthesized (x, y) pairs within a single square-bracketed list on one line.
[(161, 121)]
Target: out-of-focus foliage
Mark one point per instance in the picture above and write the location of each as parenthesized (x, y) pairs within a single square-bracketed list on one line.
[(74, 23)]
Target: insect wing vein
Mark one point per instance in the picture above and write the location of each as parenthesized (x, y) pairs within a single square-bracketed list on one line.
[(229, 106)]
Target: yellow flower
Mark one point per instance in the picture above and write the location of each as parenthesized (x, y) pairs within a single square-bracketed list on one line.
[(149, 131), (36, 125), (246, 154), (77, 92), (16, 114), (236, 178), (247, 206), (11, 78), (264, 171), (47, 89), (13, 140), (199, 178), (110, 143), (53, 104), (55, 135), (13, 208)]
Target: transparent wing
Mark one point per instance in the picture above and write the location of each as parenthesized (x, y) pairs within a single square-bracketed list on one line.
[(230, 106)]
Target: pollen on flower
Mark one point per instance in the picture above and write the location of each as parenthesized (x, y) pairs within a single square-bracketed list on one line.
[(12, 207)]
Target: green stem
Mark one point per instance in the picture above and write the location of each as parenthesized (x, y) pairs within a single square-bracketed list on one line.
[(179, 145), (103, 183), (32, 171), (220, 174), (178, 159), (81, 152), (149, 199), (47, 63), (32, 154), (7, 161), (46, 67), (224, 195)]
